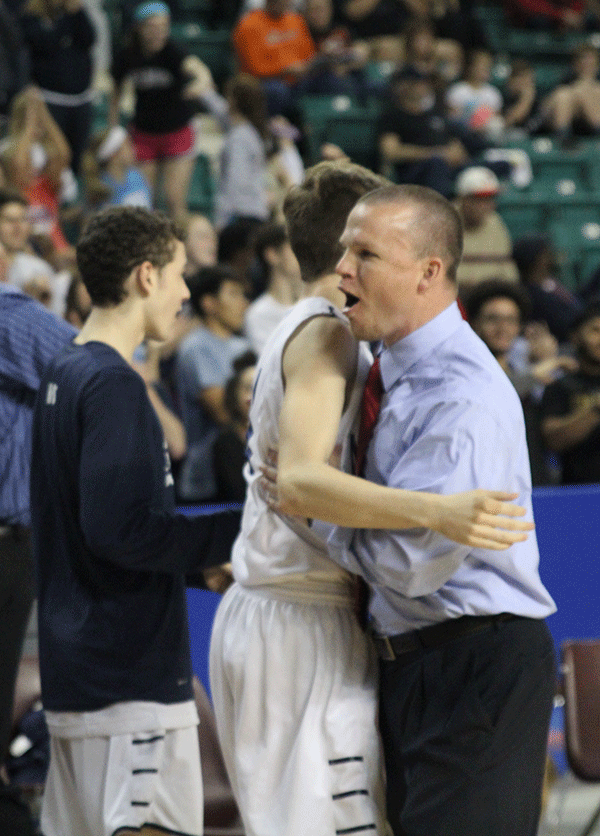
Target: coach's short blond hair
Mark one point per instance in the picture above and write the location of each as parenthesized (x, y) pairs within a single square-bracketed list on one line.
[(436, 229)]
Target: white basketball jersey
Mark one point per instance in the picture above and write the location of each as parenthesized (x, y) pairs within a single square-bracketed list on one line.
[(273, 549)]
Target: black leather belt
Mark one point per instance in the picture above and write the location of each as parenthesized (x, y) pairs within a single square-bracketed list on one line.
[(390, 647), (16, 531)]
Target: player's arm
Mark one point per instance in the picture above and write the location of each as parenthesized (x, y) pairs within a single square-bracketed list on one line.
[(317, 365), (122, 520), (212, 398)]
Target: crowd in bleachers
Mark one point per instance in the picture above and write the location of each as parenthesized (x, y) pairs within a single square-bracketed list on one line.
[(212, 110)]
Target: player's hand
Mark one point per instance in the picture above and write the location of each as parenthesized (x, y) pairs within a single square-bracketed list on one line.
[(267, 487), (219, 578), (483, 519)]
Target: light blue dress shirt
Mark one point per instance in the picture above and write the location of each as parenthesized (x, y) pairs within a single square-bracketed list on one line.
[(450, 421)]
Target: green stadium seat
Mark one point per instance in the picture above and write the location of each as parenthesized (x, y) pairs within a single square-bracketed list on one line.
[(590, 148), (493, 21), (194, 10), (589, 260), (320, 108), (213, 46), (356, 134), (578, 248), (201, 196), (522, 213), (550, 73), (341, 119), (561, 173), (573, 210), (100, 107)]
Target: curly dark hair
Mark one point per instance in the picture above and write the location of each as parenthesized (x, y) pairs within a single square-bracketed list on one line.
[(116, 240), (493, 288)]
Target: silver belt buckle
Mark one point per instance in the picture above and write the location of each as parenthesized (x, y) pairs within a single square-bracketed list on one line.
[(389, 656)]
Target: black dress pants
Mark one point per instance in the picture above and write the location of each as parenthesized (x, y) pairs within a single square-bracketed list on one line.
[(16, 598), (464, 728)]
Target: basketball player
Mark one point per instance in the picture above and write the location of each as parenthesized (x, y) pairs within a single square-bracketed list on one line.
[(292, 674), (112, 556)]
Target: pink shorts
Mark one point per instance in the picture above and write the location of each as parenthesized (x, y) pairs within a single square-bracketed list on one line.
[(158, 146)]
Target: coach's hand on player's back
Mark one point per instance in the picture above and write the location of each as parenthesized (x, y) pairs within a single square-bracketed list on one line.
[(483, 519)]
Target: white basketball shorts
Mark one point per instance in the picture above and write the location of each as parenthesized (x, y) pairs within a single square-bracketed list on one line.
[(294, 689), (98, 785)]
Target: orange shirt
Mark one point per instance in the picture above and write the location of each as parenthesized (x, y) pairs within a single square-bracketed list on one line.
[(266, 46)]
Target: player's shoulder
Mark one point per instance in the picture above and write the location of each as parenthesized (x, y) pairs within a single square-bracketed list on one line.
[(316, 322), (78, 364), (320, 341)]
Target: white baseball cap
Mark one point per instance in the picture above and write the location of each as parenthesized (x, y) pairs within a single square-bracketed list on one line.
[(477, 181)]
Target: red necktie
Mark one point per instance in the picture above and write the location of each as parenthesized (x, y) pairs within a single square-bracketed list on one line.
[(369, 411)]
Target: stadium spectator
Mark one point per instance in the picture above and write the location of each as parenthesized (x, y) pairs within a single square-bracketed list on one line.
[(235, 249), (59, 35), (25, 269), (274, 44), (285, 166), (380, 23), (345, 56), (454, 21), (203, 365), (200, 242), (416, 141), (110, 177), (242, 185), (441, 60), (77, 303), (14, 63), (573, 108), (548, 15), (487, 247), (229, 448), (166, 80), (550, 301), (281, 268), (474, 102), (36, 158), (522, 102), (571, 406), (497, 311)]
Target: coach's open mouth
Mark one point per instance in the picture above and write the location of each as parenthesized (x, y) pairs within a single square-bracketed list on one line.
[(351, 301)]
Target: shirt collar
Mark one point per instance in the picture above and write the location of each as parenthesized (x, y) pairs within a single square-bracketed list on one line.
[(396, 360)]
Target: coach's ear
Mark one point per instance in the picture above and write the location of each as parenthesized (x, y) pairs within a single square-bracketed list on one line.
[(433, 270)]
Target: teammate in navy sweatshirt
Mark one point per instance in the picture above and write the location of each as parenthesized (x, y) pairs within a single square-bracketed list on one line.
[(112, 555)]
